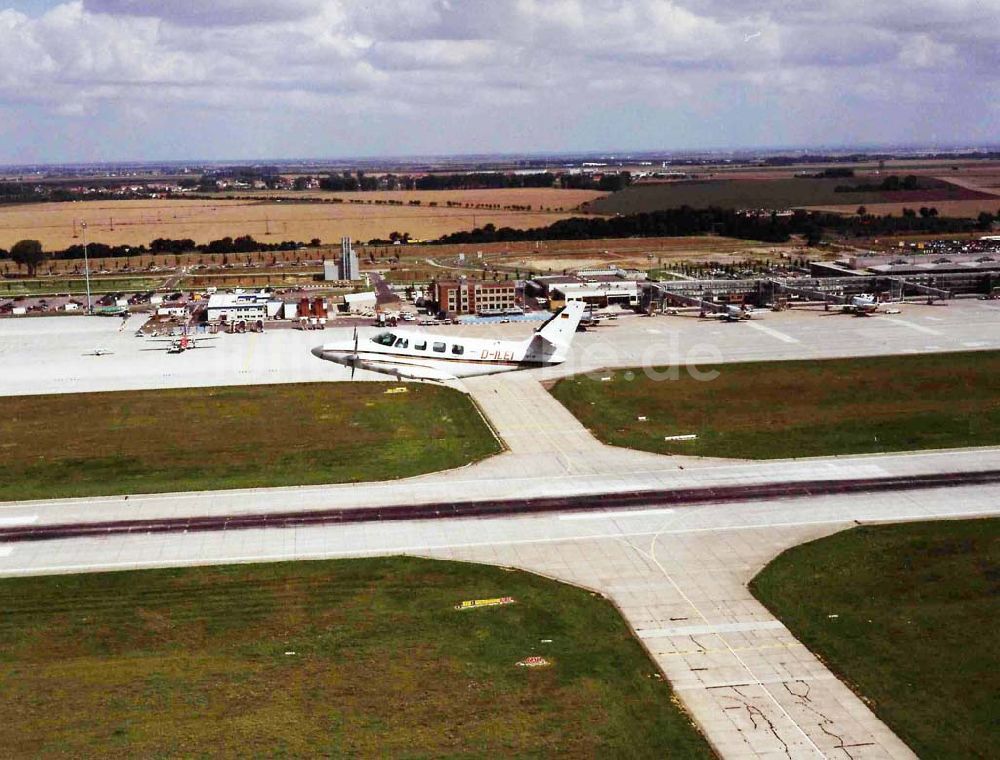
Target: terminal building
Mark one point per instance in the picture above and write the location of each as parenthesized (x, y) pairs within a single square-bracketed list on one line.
[(599, 287), (602, 294), (466, 296), (234, 307)]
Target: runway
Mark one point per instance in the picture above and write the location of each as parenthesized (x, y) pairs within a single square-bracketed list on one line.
[(13, 532)]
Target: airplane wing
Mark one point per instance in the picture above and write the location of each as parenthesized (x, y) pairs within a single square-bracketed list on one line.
[(411, 371)]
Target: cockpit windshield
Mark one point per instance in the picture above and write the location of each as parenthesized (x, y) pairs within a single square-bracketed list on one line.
[(384, 339)]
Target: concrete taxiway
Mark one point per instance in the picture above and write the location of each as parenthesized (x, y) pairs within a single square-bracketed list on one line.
[(678, 575)]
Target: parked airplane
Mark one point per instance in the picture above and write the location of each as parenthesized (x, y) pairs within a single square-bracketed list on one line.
[(425, 356), (862, 305), (183, 343), (100, 352), (733, 313)]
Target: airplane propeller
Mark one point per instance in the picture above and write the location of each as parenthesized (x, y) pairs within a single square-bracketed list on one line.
[(354, 359)]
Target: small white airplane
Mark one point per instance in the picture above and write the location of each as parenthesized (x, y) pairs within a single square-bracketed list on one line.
[(425, 356), (733, 313), (862, 305), (100, 352)]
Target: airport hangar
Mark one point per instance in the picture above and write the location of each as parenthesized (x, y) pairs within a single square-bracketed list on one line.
[(677, 571)]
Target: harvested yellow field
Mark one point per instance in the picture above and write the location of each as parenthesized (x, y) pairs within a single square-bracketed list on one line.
[(966, 209), (539, 198), (58, 225)]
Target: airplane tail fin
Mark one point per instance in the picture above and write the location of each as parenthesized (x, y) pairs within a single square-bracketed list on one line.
[(559, 329)]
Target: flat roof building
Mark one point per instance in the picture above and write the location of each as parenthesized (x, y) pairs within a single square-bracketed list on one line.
[(357, 302), (233, 307), (624, 292), (475, 296)]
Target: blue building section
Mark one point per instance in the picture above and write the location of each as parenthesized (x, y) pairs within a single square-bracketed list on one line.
[(535, 316)]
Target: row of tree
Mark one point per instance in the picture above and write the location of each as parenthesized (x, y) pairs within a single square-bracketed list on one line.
[(30, 254), (686, 220), (355, 181), (889, 184)]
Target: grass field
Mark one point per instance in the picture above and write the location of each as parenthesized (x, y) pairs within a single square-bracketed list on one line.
[(233, 437), (906, 615), (766, 193), (98, 285), (346, 658), (139, 222), (533, 255), (772, 410)]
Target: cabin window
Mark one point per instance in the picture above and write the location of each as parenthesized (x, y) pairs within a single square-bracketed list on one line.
[(439, 347), (402, 343), (421, 346), (384, 339), (458, 350)]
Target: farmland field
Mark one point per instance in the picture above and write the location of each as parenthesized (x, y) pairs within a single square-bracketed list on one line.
[(538, 198), (774, 410), (906, 615), (775, 194), (195, 439), (342, 658), (967, 208), (139, 222)]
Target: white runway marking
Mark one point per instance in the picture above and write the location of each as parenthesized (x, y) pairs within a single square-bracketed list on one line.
[(638, 512), (6, 551), (934, 319), (913, 326), (697, 630), (975, 344), (11, 522), (773, 333)]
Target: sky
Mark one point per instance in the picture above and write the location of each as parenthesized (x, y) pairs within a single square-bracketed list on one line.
[(149, 80)]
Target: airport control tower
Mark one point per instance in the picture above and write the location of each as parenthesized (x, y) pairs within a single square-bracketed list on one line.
[(349, 269)]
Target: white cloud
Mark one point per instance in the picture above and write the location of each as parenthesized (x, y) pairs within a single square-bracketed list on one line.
[(921, 52), (465, 61)]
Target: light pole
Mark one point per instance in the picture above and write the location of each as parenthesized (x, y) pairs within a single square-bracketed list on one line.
[(86, 266)]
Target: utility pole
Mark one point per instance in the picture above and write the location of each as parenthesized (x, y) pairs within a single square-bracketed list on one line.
[(86, 266)]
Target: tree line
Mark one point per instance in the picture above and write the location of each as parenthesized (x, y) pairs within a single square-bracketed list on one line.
[(30, 254), (889, 184), (685, 221), (359, 181)]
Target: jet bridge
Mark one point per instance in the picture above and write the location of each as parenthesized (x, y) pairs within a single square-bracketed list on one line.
[(812, 294), (932, 293), (700, 294)]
